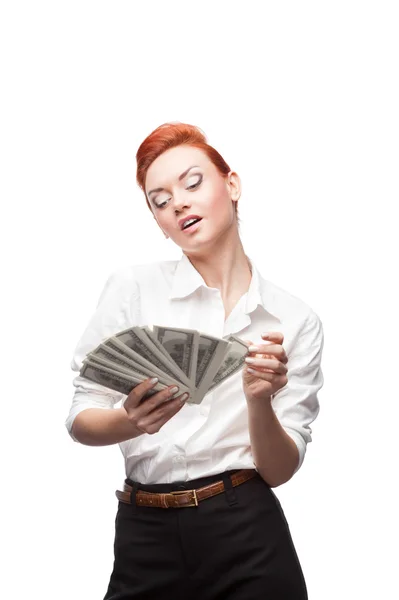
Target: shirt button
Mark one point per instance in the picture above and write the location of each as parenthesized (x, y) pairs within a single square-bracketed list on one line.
[(179, 459)]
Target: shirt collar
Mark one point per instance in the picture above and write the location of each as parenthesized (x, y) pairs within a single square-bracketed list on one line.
[(186, 280)]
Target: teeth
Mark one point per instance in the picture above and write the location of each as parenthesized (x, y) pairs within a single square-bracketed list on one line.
[(189, 222)]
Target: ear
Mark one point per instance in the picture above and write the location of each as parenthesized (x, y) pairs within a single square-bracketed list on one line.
[(234, 186)]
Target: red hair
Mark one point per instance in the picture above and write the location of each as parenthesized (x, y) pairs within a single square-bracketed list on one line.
[(170, 135)]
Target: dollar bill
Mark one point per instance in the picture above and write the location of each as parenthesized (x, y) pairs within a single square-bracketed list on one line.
[(182, 346), (116, 367), (233, 360), (151, 336), (115, 380), (155, 371), (125, 359), (137, 340), (194, 361), (211, 352)]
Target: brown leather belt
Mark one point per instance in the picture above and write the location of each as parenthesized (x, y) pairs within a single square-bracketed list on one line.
[(183, 498)]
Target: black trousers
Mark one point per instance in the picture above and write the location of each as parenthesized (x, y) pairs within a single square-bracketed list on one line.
[(233, 546)]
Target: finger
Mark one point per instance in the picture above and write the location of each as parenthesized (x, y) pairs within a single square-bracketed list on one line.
[(271, 349), (275, 336), (266, 376), (281, 380), (156, 400), (136, 395), (152, 422), (267, 363)]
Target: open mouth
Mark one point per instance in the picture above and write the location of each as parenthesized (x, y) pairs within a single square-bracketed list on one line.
[(191, 223)]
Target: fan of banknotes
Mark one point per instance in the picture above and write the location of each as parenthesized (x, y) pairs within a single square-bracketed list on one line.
[(195, 361)]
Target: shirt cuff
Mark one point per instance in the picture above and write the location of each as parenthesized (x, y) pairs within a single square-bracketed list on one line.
[(98, 402), (300, 443)]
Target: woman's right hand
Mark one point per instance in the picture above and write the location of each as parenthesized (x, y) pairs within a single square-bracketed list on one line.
[(150, 414)]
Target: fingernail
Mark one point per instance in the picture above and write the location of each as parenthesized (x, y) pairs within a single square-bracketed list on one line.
[(184, 398), (174, 389), (254, 349), (154, 380), (265, 335)]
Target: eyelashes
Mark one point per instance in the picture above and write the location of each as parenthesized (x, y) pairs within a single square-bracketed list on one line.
[(191, 187), (161, 205)]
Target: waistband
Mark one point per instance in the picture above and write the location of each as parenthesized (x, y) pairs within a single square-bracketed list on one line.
[(181, 485), (181, 497)]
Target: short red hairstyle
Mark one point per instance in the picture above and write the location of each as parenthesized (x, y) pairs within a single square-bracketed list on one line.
[(170, 135)]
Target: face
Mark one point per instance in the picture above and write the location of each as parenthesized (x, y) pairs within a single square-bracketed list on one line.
[(183, 181)]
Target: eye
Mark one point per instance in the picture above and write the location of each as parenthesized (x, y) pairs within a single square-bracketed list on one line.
[(190, 187), (161, 205), (194, 185)]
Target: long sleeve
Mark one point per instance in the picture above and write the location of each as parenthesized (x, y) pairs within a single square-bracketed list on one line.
[(296, 404), (117, 307), (213, 436)]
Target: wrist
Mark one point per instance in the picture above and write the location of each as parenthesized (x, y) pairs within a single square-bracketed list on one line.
[(264, 401), (134, 430), (261, 409)]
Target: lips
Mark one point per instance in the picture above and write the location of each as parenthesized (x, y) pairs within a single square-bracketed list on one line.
[(191, 228), (182, 221)]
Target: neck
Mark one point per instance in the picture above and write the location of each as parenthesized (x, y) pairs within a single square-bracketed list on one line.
[(226, 268)]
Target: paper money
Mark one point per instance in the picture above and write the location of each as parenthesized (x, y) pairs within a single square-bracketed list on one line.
[(182, 347), (233, 361), (153, 338), (137, 340), (114, 380), (211, 353), (119, 355), (194, 361)]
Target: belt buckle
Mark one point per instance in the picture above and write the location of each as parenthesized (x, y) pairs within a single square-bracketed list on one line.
[(193, 502)]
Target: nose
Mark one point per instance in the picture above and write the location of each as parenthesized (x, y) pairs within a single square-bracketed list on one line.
[(180, 202)]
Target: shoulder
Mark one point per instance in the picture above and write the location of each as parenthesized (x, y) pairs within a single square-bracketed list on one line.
[(142, 272), (286, 302), (300, 321), (135, 277)]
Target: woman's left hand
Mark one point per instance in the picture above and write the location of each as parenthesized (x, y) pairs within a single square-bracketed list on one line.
[(269, 366)]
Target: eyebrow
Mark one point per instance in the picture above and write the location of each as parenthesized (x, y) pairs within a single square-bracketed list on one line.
[(180, 178)]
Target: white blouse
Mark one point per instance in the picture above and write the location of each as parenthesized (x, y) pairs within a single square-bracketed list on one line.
[(211, 437)]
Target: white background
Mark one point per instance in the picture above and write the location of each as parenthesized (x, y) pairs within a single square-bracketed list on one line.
[(301, 99)]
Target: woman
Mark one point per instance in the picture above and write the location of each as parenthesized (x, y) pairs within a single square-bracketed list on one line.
[(224, 535)]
